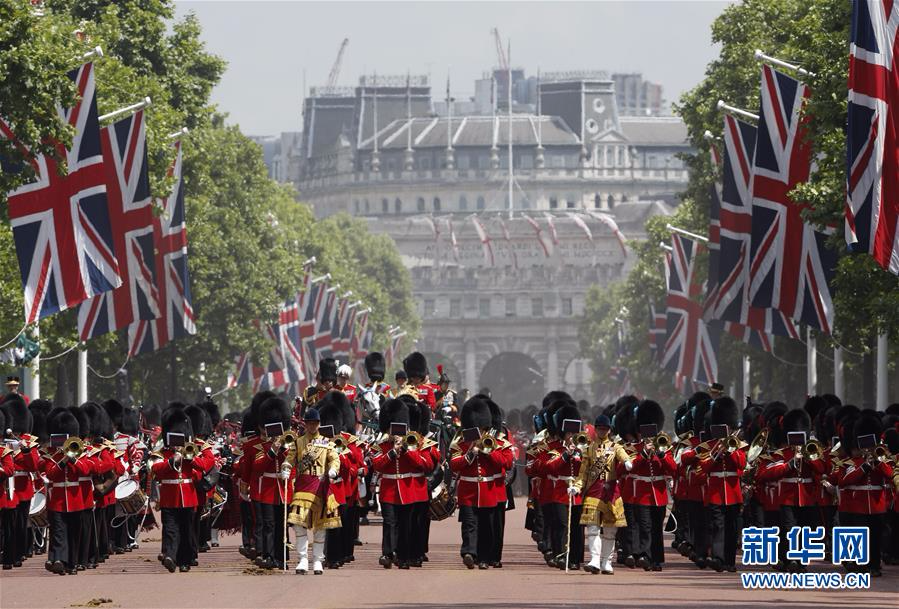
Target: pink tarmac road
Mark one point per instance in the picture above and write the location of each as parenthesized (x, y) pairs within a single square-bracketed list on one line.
[(225, 579)]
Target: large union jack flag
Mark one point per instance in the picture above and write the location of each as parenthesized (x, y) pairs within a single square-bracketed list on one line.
[(173, 299), (131, 217), (60, 224), (872, 155), (289, 340), (323, 336), (657, 326), (791, 267), (691, 343)]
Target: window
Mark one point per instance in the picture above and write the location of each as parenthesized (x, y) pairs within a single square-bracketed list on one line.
[(571, 203), (484, 307), (511, 306), (455, 307), (597, 201), (481, 203), (356, 205), (567, 307), (420, 204), (526, 161), (398, 206), (610, 200), (483, 161), (553, 203), (365, 205), (424, 163), (429, 307), (537, 307), (385, 206), (463, 203), (436, 203), (463, 161)]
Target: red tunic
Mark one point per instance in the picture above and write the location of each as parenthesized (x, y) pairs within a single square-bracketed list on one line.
[(795, 487), (724, 475), (266, 471), (7, 472), (479, 476), (861, 491), (176, 487), (403, 479), (64, 487), (26, 462), (648, 478)]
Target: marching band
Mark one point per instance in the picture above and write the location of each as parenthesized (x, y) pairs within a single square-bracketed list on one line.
[(78, 483)]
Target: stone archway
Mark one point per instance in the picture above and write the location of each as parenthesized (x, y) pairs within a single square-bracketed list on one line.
[(514, 380), (577, 378)]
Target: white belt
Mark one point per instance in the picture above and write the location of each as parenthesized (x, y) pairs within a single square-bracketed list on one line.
[(85, 479), (561, 478), (22, 474), (271, 475), (63, 484), (480, 478), (723, 474), (863, 487), (804, 480), (401, 476), (179, 481), (648, 478)]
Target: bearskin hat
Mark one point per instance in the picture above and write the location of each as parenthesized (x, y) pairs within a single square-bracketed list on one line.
[(18, 417), (539, 420), (814, 405), (891, 439), (2, 424), (174, 420), (699, 397), (867, 423), (832, 400), (555, 396), (130, 423), (84, 422), (335, 409), (114, 409), (476, 413), (392, 411), (40, 410), (752, 423), (175, 404), (274, 410), (327, 370), (825, 424), (419, 414), (199, 421), (212, 409), (724, 411), (152, 414), (624, 417), (773, 414), (699, 413), (375, 366), (61, 421), (513, 419), (680, 418), (797, 420), (566, 411), (415, 365), (100, 425), (496, 415), (248, 422), (650, 412), (256, 403)]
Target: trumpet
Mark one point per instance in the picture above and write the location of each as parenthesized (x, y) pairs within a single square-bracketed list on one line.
[(662, 442), (411, 441), (813, 450), (73, 447), (488, 443), (882, 453), (190, 451), (582, 441), (288, 439)]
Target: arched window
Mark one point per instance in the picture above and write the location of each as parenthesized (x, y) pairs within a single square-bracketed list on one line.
[(597, 201), (356, 205), (420, 204), (436, 203), (610, 201), (463, 203), (385, 206), (481, 203), (398, 206), (365, 205), (553, 203)]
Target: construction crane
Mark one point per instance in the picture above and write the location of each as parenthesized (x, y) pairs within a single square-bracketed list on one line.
[(335, 69), (500, 53)]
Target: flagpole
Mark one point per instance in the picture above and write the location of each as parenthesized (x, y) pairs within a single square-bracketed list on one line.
[(734, 110), (838, 372), (686, 233), (747, 374), (811, 363), (33, 372), (145, 102), (760, 56), (82, 376), (179, 134), (883, 348)]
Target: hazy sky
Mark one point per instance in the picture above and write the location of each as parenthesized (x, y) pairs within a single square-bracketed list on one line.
[(268, 45)]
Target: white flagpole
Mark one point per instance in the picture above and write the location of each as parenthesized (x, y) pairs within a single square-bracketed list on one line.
[(82, 376), (883, 348), (811, 363), (734, 110), (839, 381), (747, 377), (774, 61), (145, 102), (686, 233), (33, 372)]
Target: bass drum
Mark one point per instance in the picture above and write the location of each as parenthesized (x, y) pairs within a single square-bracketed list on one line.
[(37, 512), (443, 502), (129, 496)]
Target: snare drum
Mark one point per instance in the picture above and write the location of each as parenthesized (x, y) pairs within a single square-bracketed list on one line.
[(37, 513), (129, 496)]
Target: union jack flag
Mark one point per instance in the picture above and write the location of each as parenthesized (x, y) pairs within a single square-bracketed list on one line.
[(289, 341), (393, 349), (347, 328), (60, 224), (691, 343), (484, 238), (323, 336), (243, 371), (791, 267), (657, 326), (308, 330), (275, 374), (131, 217), (359, 333), (730, 214), (872, 144), (173, 300), (339, 315)]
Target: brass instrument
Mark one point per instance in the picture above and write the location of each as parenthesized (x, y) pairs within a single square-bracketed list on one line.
[(882, 453), (813, 450), (73, 447), (662, 442), (190, 451), (22, 443), (487, 444), (759, 443), (288, 439), (582, 441), (411, 441)]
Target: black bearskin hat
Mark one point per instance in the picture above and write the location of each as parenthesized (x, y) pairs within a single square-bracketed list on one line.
[(199, 421), (100, 425), (681, 419), (130, 424), (826, 424), (40, 410), (375, 366), (335, 409), (773, 413), (84, 422), (698, 412), (724, 411), (555, 396), (650, 412), (151, 414), (496, 415), (419, 414), (2, 424), (415, 365), (814, 405), (274, 410), (327, 370), (392, 411), (624, 417), (891, 439), (114, 409), (797, 420), (174, 404), (753, 422), (212, 409), (566, 411), (18, 417), (475, 413), (248, 422), (62, 421), (174, 420), (867, 423)]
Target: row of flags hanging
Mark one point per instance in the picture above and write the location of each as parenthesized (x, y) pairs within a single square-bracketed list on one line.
[(318, 322), (770, 271), (95, 238)]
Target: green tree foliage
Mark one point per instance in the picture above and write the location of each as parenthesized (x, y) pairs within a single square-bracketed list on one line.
[(814, 34), (247, 235)]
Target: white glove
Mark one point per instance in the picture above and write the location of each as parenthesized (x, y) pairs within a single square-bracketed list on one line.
[(332, 474), (285, 473), (572, 491)]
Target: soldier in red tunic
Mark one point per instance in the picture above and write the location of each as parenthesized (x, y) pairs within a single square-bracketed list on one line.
[(416, 367), (25, 458), (325, 381)]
